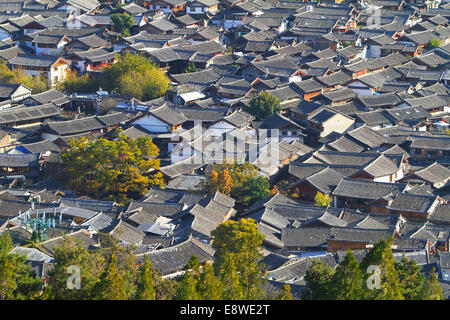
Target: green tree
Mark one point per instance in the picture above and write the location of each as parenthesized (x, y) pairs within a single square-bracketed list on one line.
[(434, 43), (37, 84), (431, 288), (112, 170), (193, 264), (322, 199), (73, 82), (209, 286), (411, 279), (188, 288), (71, 252), (254, 189), (285, 293), (381, 256), (240, 242), (122, 23), (318, 279), (350, 281), (229, 277), (111, 285), (190, 67), (17, 280), (135, 76), (263, 105), (145, 290), (165, 288), (240, 181), (346, 282)]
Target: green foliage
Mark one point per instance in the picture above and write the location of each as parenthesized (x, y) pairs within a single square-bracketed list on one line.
[(346, 283), (17, 280), (318, 279), (434, 43), (229, 277), (236, 273), (37, 84), (135, 76), (285, 293), (190, 67), (263, 105), (431, 289), (111, 285), (106, 273), (237, 256), (112, 170), (122, 23), (350, 280), (77, 83), (146, 290), (6, 244), (72, 253), (209, 286), (322, 199), (240, 181), (254, 189), (193, 264), (111, 273), (188, 288), (410, 277), (381, 256), (132, 76)]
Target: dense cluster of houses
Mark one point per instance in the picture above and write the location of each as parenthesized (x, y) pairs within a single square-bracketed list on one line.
[(365, 120)]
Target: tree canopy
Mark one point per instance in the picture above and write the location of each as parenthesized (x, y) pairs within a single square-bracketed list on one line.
[(135, 76), (322, 199), (122, 23), (73, 82), (239, 181), (263, 105), (113, 271), (17, 280), (237, 257), (377, 277), (434, 43), (112, 170), (37, 84)]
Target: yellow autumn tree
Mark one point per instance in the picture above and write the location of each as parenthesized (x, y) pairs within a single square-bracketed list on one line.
[(118, 170), (220, 181), (322, 199), (37, 84)]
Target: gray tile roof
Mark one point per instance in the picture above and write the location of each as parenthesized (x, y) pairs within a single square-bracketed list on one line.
[(49, 96), (128, 234), (33, 61), (71, 127), (18, 114), (441, 215), (366, 189), (41, 147), (412, 203), (434, 143), (173, 259), (19, 160)]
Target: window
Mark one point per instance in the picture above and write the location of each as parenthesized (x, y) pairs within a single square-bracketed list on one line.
[(284, 133)]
